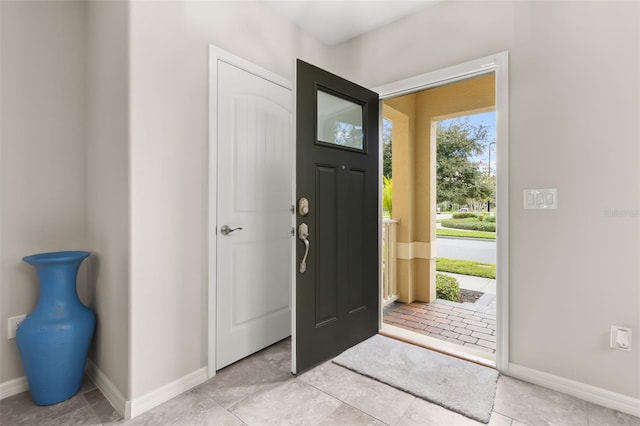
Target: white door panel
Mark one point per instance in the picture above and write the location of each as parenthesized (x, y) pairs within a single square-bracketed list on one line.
[(253, 193)]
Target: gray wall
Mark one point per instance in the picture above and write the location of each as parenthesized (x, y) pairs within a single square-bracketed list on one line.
[(107, 177), (43, 186), (65, 163)]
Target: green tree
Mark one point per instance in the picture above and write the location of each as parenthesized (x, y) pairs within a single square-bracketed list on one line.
[(458, 178), (484, 192)]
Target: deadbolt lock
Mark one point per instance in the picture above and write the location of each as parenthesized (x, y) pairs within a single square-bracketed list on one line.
[(303, 206)]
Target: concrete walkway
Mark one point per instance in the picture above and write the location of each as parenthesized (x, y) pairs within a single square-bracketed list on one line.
[(484, 285)]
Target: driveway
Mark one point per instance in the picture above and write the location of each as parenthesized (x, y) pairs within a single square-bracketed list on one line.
[(476, 250)]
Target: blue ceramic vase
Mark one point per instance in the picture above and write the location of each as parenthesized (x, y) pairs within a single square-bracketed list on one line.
[(54, 339)]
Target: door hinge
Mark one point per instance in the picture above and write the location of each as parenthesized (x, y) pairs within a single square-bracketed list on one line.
[(292, 209), (293, 232)]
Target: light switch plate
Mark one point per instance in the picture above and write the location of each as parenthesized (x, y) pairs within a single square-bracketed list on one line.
[(540, 198)]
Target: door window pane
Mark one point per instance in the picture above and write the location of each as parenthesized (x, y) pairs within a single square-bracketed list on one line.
[(339, 121)]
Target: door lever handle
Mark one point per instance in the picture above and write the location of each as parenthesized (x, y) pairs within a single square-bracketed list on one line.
[(225, 230), (303, 234)]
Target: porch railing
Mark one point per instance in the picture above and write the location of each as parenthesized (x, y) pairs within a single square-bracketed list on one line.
[(389, 285)]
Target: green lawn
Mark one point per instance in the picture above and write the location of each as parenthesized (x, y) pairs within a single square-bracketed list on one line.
[(466, 267), (447, 232)]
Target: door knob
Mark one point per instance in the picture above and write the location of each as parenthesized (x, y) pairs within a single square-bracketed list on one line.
[(303, 234), (225, 230)]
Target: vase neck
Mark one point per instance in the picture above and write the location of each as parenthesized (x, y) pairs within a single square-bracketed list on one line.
[(58, 283)]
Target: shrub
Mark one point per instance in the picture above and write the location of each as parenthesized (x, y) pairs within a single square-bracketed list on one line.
[(387, 195), (464, 215), (447, 287), (472, 224), (491, 219)]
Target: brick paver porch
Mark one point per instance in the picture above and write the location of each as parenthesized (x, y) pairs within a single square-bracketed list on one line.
[(471, 325)]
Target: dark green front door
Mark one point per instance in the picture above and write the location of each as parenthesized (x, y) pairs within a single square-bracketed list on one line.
[(336, 298)]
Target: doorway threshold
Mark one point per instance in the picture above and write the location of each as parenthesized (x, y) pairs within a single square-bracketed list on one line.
[(468, 354)]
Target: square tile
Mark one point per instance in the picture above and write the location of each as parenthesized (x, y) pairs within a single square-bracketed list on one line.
[(346, 415), (293, 403), (251, 375), (189, 408), (101, 406), (19, 410), (372, 397), (536, 405), (601, 416), (498, 419), (422, 412), (83, 416), (277, 355)]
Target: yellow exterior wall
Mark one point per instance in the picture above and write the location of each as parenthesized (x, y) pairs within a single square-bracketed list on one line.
[(401, 111), (414, 119)]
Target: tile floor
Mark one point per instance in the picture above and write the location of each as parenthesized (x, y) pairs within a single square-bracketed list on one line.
[(259, 390)]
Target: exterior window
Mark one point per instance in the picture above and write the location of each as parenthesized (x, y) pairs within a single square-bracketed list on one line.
[(339, 121)]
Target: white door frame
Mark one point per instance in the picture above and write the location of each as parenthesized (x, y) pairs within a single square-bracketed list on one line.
[(216, 54), (498, 63)]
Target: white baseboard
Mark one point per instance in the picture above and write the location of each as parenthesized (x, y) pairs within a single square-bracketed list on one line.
[(168, 391), (599, 396), (13, 387), (109, 390)]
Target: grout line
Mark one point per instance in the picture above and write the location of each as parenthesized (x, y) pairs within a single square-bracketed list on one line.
[(345, 402), (91, 406)]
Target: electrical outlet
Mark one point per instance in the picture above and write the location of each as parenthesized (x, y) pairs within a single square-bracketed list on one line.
[(13, 324), (620, 338)]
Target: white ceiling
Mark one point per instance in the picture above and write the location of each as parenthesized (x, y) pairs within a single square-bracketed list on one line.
[(335, 21)]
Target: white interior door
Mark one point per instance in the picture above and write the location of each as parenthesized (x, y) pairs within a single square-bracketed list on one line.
[(254, 179)]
